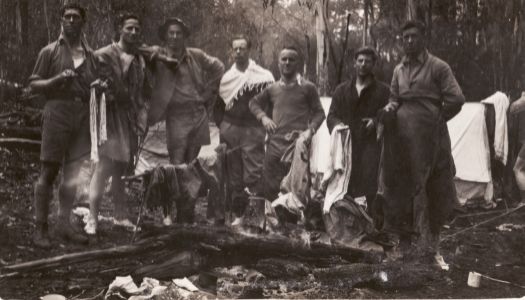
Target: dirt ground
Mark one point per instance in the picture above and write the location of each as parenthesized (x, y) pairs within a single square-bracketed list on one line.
[(495, 249)]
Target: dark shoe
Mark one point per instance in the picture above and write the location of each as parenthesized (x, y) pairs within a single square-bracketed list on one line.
[(40, 237), (67, 233)]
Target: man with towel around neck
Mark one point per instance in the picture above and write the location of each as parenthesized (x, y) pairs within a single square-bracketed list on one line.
[(242, 133)]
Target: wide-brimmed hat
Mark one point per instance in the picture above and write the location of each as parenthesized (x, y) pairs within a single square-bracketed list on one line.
[(172, 21)]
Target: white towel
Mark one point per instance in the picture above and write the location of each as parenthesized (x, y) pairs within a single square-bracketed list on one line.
[(235, 82), (501, 138), (97, 123), (337, 176)]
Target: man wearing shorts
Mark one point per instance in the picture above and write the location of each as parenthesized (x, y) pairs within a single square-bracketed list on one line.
[(63, 72)]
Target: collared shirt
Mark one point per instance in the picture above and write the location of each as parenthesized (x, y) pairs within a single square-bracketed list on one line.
[(427, 77), (56, 57), (198, 74), (186, 90)]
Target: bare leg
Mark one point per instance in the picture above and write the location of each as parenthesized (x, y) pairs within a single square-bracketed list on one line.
[(42, 197), (96, 191), (66, 196)]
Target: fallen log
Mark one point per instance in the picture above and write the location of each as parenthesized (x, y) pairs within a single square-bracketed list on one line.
[(33, 133), (282, 268), (233, 247), (20, 143), (180, 265), (261, 246), (79, 257), (387, 275)]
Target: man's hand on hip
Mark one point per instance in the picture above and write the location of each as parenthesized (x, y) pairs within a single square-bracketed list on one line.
[(268, 124)]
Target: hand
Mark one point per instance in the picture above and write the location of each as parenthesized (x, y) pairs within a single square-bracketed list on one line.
[(142, 121), (390, 107), (268, 124), (66, 75), (100, 85), (171, 62), (369, 124), (306, 135), (341, 127), (518, 105)]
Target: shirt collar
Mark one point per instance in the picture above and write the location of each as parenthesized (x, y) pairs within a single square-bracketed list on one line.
[(298, 81), (421, 58), (83, 41)]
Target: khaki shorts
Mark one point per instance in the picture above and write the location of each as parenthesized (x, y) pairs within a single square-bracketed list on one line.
[(65, 131)]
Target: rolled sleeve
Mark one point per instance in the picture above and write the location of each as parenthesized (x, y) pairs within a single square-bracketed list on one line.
[(42, 65)]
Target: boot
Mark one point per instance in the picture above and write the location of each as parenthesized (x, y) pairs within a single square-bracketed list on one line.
[(42, 197), (41, 237)]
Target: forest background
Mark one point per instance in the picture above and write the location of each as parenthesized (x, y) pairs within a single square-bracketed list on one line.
[(482, 40)]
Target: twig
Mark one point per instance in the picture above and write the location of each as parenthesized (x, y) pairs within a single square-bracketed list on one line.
[(502, 281), (484, 222), (76, 297), (482, 213), (18, 140), (96, 296)]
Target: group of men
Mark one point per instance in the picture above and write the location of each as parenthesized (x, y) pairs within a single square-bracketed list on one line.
[(400, 144)]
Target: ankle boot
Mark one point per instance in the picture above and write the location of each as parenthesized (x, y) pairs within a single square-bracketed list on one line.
[(42, 197), (41, 237)]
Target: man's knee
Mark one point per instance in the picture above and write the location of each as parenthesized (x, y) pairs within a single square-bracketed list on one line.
[(48, 173), (177, 155)]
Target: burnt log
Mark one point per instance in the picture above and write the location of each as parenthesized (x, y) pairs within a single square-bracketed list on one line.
[(182, 264), (278, 268), (223, 247)]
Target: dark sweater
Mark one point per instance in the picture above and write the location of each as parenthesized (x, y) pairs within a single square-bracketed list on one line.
[(296, 107)]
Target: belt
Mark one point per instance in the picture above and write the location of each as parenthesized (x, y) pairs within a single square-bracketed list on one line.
[(187, 109), (77, 99), (80, 99)]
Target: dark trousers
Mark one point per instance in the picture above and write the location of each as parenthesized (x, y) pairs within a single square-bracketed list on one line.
[(245, 148)]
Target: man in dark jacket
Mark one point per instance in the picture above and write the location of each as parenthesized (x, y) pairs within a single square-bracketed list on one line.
[(356, 103)]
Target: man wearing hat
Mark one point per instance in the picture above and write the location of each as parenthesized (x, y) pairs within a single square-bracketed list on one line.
[(355, 103), (184, 93)]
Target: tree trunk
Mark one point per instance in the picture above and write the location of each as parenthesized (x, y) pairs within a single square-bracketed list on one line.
[(367, 5), (322, 46), (46, 17)]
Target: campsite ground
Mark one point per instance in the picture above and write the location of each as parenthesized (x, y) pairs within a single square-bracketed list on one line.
[(494, 249), (486, 249)]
